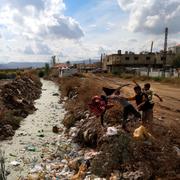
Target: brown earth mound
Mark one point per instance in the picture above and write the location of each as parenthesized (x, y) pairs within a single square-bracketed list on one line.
[(16, 99)]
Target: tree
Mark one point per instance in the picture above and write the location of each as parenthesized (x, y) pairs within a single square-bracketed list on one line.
[(176, 61), (68, 62), (47, 68)]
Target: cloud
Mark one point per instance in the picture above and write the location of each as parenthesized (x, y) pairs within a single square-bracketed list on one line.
[(152, 16), (39, 19), (43, 49), (28, 50)]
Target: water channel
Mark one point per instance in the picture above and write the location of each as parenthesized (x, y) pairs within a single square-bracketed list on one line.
[(34, 139)]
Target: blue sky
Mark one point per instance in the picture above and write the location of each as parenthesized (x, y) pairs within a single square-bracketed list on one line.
[(34, 30)]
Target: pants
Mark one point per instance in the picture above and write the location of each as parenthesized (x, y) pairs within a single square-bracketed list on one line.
[(147, 116), (129, 110)]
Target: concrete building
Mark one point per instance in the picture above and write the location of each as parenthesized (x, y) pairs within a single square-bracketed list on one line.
[(115, 62), (175, 49)]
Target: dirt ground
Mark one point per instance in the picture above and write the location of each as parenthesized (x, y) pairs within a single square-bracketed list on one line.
[(167, 112)]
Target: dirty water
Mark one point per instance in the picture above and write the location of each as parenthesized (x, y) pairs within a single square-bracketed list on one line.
[(34, 140)]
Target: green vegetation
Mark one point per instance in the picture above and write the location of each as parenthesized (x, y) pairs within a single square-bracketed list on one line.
[(47, 69), (176, 61)]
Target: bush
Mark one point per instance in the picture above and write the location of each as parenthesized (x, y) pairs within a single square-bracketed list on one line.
[(41, 73)]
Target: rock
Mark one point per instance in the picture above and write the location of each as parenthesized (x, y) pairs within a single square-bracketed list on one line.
[(69, 120), (55, 94), (55, 129), (111, 131)]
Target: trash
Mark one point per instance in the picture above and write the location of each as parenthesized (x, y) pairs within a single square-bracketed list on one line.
[(15, 163), (133, 175), (31, 148), (90, 155), (55, 94), (81, 173), (41, 133), (36, 176), (75, 163), (141, 133), (12, 155), (177, 150), (37, 168), (111, 131)]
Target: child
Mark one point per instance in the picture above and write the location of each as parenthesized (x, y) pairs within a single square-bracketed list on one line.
[(150, 93), (128, 108)]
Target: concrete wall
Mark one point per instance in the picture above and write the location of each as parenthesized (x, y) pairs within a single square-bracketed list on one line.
[(67, 72)]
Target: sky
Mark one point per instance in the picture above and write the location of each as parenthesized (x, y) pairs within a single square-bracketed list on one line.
[(34, 30)]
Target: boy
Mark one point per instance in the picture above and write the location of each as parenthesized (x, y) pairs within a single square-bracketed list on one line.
[(143, 104), (150, 93), (128, 108)]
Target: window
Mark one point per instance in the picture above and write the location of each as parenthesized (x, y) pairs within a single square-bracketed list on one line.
[(127, 58), (136, 58), (148, 58)]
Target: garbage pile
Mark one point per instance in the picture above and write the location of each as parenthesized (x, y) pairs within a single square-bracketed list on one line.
[(113, 153)]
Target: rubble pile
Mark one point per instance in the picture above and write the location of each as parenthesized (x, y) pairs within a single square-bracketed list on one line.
[(20, 94), (16, 99)]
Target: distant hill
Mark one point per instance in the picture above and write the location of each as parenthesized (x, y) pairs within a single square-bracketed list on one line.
[(21, 65)]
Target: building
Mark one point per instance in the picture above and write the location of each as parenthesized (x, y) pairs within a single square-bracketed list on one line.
[(88, 67), (175, 49), (64, 70), (115, 62)]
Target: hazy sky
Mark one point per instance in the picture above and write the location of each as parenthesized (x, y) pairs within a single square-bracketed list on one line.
[(34, 30)]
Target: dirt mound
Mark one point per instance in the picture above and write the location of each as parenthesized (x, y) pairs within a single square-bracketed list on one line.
[(20, 93), (16, 99)]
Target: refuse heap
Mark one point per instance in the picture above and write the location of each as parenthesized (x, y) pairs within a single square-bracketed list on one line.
[(116, 154), (17, 99)]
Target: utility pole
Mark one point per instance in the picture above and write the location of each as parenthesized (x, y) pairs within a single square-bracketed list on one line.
[(149, 65), (165, 52)]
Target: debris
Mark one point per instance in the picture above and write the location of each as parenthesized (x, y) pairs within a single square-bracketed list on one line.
[(55, 94), (81, 173), (141, 133), (55, 129), (12, 155), (111, 131), (31, 148), (133, 175), (177, 150), (37, 169), (15, 163)]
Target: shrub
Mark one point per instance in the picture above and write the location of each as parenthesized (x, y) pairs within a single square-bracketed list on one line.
[(41, 73)]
